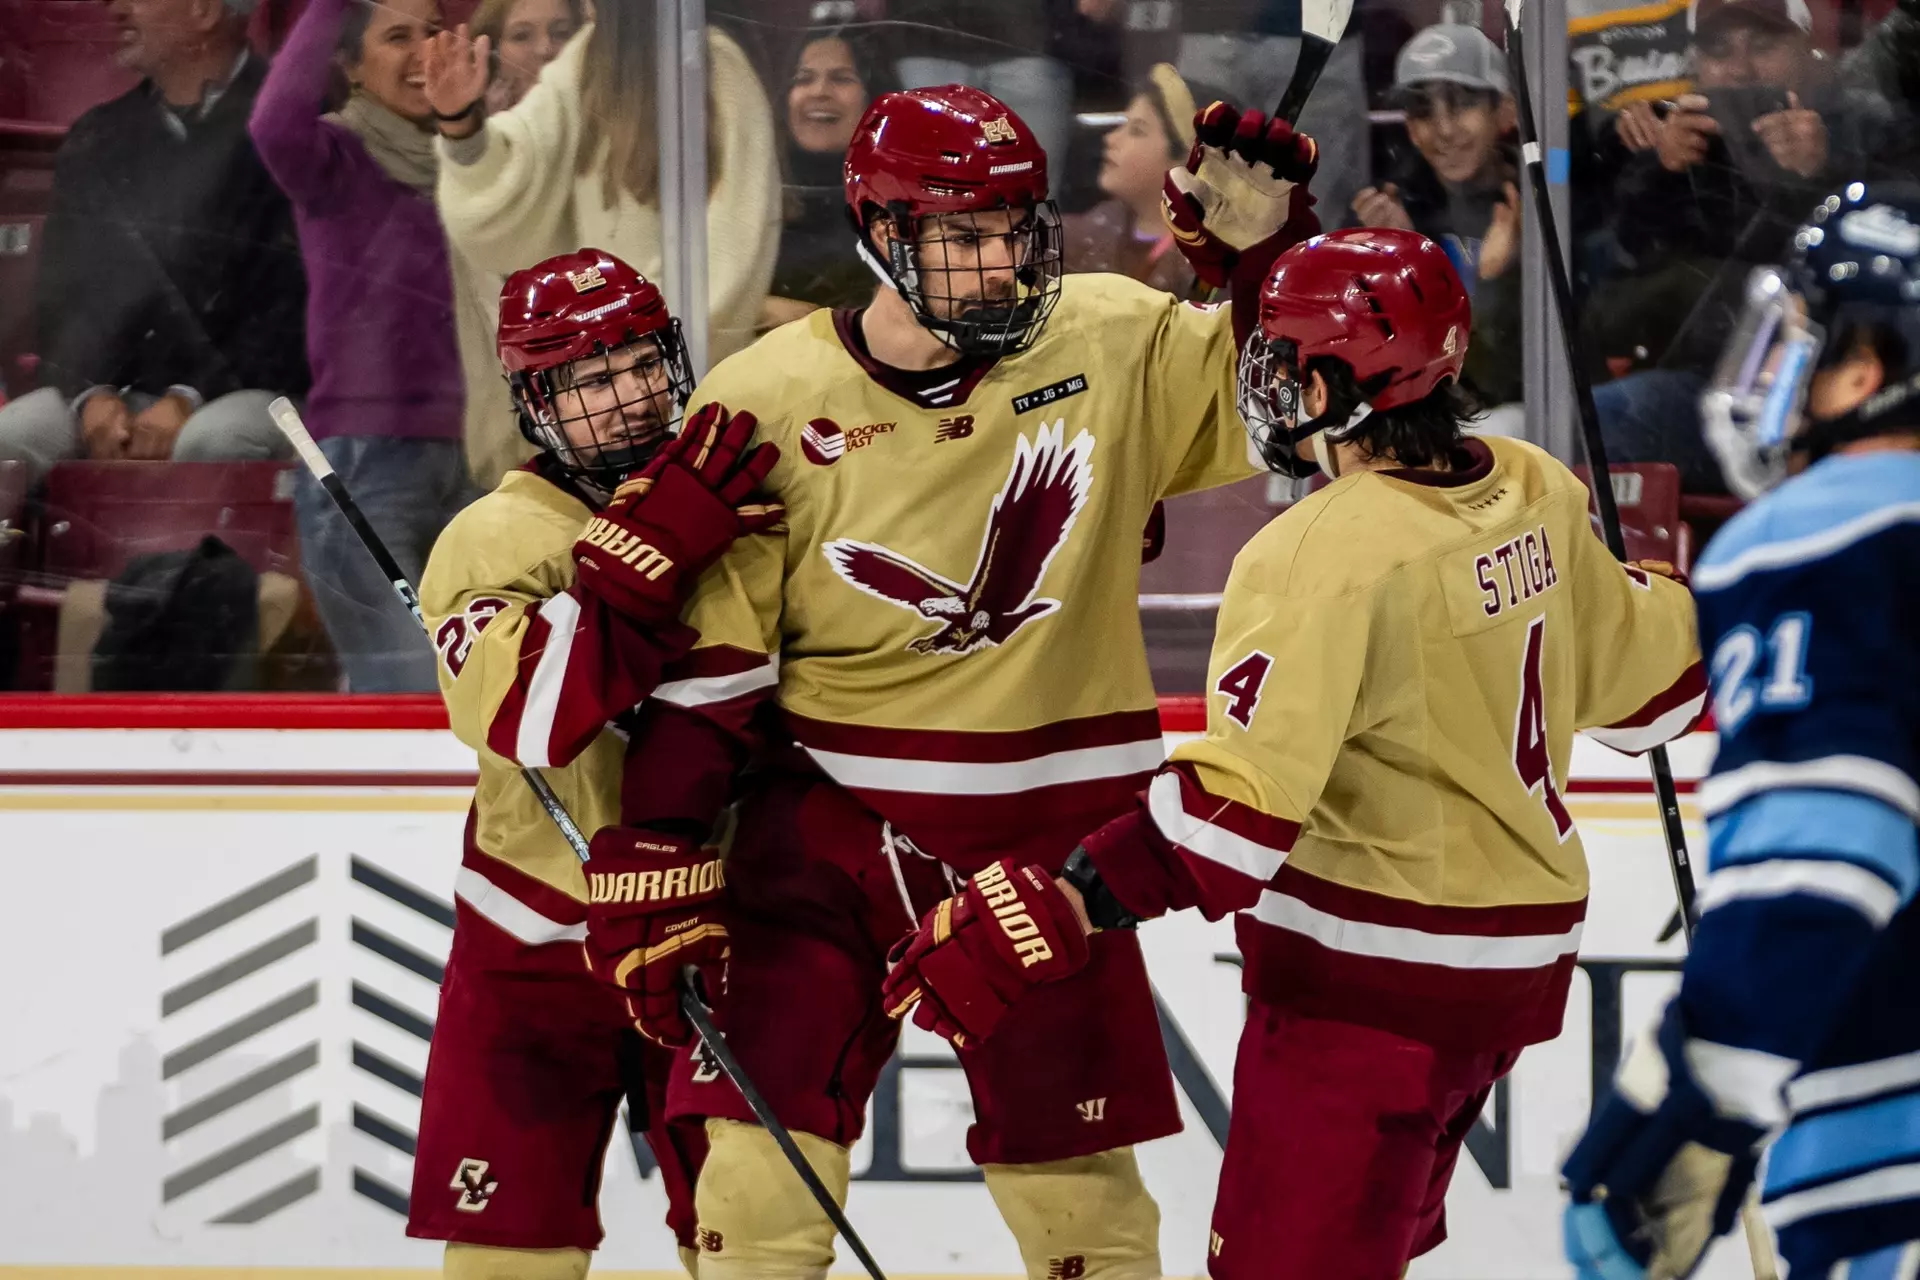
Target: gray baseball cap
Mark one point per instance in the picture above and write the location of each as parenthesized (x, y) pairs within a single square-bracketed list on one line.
[(1452, 52)]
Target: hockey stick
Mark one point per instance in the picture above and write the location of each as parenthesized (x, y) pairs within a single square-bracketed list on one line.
[(1663, 788), (702, 1019), (1322, 24), (287, 418), (1766, 1265)]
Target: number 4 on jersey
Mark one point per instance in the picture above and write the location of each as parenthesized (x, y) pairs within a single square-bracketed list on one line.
[(1241, 684), (1531, 759)]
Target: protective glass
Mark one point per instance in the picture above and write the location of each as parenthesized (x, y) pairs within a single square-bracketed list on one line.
[(604, 416), (1755, 404)]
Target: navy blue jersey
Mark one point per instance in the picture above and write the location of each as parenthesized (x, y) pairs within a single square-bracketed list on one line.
[(1804, 978)]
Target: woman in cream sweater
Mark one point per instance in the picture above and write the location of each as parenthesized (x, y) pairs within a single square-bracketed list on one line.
[(576, 162)]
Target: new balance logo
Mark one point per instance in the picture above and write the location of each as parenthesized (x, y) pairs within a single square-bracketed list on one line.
[(655, 886), (710, 1241), (475, 1188), (626, 547), (1093, 1110), (955, 428), (1071, 1267)]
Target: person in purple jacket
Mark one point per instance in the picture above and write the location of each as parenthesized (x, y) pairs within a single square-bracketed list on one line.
[(388, 395)]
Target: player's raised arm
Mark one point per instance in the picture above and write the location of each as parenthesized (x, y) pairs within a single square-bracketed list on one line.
[(1238, 202)]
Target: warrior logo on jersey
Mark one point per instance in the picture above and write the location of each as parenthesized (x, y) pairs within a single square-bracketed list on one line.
[(1027, 525)]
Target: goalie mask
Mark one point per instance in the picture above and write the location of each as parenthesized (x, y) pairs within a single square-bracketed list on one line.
[(597, 367), (958, 183), (1386, 302), (1852, 276)]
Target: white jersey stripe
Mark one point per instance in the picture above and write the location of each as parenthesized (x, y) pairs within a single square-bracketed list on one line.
[(1835, 1085), (1843, 882), (990, 778), (1415, 946), (1879, 1186), (1216, 844), (1743, 1083), (510, 914), (533, 743), (1815, 546), (1648, 736), (1862, 774), (702, 690)]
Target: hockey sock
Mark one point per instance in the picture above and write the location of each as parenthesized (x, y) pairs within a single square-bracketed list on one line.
[(757, 1221), (1089, 1217)]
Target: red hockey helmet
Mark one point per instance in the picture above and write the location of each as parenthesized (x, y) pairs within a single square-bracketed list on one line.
[(1387, 302), (955, 153), (597, 366)]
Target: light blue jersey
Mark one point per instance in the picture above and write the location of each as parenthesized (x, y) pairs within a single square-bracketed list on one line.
[(1807, 958)]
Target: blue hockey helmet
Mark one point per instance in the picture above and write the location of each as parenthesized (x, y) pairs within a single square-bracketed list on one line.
[(1851, 275)]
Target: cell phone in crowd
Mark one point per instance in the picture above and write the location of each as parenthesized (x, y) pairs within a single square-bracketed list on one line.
[(1735, 109)]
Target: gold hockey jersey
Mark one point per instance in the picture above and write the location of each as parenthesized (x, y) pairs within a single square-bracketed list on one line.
[(1401, 662), (533, 671), (949, 624)]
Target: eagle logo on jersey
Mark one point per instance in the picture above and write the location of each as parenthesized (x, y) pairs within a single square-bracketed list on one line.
[(1027, 525)]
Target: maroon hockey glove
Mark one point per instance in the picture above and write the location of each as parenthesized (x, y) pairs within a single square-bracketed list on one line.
[(653, 908), (977, 953), (676, 516), (1237, 188)]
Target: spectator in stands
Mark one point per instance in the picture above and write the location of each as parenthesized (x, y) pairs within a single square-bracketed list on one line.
[(1235, 45), (1457, 187), (1730, 172), (834, 78), (387, 391), (525, 35), (996, 46), (1126, 232), (170, 291), (577, 162)]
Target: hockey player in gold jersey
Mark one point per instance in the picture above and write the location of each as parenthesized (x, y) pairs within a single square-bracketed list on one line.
[(1400, 664), (554, 603), (939, 660)]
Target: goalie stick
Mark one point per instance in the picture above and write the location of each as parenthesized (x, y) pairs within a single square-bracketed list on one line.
[(287, 418), (1759, 1240)]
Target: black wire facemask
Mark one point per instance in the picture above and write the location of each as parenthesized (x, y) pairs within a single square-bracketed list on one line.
[(1271, 397), (983, 289), (1268, 397), (604, 416)]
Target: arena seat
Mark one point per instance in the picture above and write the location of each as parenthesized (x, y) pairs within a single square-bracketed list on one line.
[(66, 50), (1648, 494), (96, 517), (26, 190)]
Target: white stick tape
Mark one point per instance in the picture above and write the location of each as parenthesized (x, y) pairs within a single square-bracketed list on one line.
[(287, 418), (1530, 153)]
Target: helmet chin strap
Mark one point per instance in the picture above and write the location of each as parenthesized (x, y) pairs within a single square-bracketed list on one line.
[(1326, 434)]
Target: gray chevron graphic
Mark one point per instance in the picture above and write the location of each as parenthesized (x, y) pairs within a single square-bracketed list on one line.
[(218, 963)]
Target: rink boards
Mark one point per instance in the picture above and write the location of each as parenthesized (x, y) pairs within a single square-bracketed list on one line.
[(221, 938)]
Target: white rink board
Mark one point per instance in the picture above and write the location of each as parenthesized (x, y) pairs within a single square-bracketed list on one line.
[(127, 1133)]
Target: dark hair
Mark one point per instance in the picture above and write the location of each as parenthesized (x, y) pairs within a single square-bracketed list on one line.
[(353, 32), (1414, 435)]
